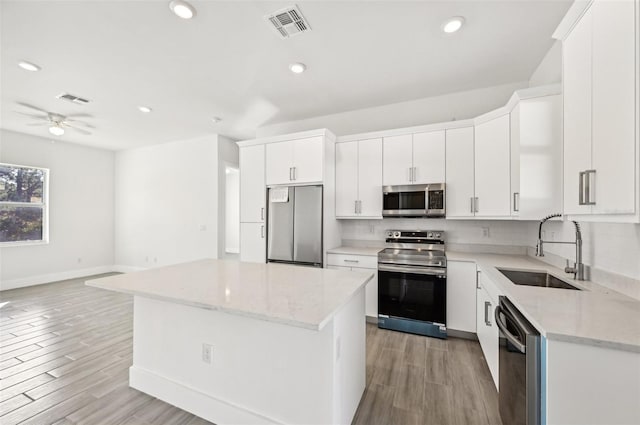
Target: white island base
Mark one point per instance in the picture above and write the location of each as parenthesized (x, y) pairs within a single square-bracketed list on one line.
[(261, 372)]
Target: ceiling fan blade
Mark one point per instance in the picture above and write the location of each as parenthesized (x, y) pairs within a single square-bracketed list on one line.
[(32, 124), (81, 115), (35, 108), (78, 129), (42, 117), (69, 122)]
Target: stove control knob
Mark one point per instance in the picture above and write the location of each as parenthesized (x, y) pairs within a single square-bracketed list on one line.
[(396, 234), (430, 235), (437, 235), (389, 234)]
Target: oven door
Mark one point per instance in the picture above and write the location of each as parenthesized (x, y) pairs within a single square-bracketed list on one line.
[(416, 293)]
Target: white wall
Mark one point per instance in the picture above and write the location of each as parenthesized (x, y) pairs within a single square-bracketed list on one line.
[(167, 203), (228, 155), (461, 105), (232, 212), (550, 69), (81, 193)]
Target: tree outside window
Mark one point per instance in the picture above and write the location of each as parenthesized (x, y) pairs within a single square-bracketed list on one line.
[(23, 204)]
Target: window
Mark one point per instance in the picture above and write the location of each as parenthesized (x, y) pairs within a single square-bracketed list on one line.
[(23, 204)]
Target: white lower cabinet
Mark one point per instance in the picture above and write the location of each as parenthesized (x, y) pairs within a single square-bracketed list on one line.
[(253, 243), (461, 296), (362, 263), (487, 330)]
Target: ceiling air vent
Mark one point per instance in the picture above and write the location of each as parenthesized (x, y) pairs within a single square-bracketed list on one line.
[(288, 21), (72, 98)]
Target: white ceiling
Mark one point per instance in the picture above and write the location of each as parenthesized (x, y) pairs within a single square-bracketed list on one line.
[(227, 62)]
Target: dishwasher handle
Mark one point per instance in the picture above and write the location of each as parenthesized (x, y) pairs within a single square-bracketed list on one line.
[(503, 327)]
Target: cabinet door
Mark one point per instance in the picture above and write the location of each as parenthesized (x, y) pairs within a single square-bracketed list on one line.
[(371, 294), (397, 160), (488, 334), (540, 157), (461, 296), (576, 82), (613, 104), (252, 187), (279, 161), (308, 157), (346, 179), (369, 178), (459, 176), (492, 174), (515, 161), (253, 243), (429, 157)]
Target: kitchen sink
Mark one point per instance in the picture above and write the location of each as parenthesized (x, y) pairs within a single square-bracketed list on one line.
[(541, 279)]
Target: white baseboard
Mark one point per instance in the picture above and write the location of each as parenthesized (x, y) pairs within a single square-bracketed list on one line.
[(52, 277), (56, 277), (186, 398)]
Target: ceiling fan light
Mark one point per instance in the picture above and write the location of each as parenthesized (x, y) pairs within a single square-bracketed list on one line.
[(182, 9), (56, 130)]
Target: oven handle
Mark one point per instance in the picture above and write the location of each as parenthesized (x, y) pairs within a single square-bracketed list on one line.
[(415, 270), (503, 327)]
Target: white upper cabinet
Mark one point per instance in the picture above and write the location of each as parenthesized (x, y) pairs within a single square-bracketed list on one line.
[(295, 161), (492, 168), (536, 157), (614, 75), (397, 154), (459, 172), (429, 157), (359, 179), (600, 75), (252, 186), (347, 179), (370, 178)]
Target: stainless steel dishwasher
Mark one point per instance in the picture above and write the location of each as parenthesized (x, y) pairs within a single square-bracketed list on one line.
[(520, 392)]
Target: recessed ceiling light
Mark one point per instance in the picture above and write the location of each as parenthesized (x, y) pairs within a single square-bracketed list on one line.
[(182, 9), (452, 25), (56, 130), (145, 109), (216, 119), (28, 66), (297, 68)]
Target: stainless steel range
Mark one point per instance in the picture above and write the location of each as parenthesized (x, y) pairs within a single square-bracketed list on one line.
[(412, 283)]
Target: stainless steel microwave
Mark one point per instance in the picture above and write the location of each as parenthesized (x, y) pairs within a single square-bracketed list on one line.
[(415, 200)]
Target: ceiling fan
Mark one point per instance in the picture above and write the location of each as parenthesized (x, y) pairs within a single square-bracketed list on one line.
[(57, 122)]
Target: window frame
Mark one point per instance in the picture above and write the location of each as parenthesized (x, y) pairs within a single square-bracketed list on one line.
[(44, 205)]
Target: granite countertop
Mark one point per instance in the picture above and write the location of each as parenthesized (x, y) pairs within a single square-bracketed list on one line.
[(595, 315), (354, 250), (305, 297)]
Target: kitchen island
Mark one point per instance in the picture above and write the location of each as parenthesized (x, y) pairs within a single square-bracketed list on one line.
[(253, 343)]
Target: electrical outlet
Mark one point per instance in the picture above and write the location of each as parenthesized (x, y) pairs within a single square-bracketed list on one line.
[(485, 232), (207, 353)]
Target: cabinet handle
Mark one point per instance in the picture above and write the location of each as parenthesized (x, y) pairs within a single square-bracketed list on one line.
[(355, 207), (475, 204), (359, 207), (409, 174), (516, 201), (581, 197), (262, 231), (478, 280), (472, 209), (415, 174), (591, 199), (584, 187), (290, 173), (295, 172), (487, 306), (262, 213), (351, 261)]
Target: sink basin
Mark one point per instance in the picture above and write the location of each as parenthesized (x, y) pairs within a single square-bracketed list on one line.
[(541, 279)]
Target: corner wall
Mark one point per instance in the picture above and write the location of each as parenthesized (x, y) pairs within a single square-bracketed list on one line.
[(81, 194)]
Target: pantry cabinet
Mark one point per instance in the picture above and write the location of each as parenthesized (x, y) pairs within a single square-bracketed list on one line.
[(414, 158), (295, 161), (359, 179), (252, 184), (600, 75)]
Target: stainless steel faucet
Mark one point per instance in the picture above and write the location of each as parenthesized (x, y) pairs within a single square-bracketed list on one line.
[(578, 267)]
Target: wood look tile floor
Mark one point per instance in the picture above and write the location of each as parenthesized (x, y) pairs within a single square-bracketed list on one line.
[(65, 350)]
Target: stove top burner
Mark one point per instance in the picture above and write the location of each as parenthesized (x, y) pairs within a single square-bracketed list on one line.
[(423, 248)]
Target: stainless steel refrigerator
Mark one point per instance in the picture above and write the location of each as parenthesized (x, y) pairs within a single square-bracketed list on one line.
[(294, 225)]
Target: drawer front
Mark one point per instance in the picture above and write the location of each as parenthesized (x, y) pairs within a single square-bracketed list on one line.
[(361, 261)]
